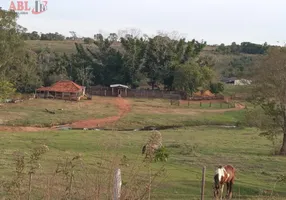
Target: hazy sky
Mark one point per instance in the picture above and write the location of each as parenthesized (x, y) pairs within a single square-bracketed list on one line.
[(215, 21)]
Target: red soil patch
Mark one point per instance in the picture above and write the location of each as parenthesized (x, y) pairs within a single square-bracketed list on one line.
[(124, 108)]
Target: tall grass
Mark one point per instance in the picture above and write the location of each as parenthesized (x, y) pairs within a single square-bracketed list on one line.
[(73, 178)]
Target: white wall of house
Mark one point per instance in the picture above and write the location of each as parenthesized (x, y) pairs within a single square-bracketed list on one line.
[(242, 82)]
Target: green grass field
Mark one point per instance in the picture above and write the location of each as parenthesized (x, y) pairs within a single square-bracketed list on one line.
[(236, 89), (190, 149), (159, 112)]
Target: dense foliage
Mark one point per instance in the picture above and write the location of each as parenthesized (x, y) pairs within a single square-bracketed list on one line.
[(159, 61), (244, 47), (163, 61)]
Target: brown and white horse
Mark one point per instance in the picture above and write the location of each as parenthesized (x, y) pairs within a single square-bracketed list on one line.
[(224, 175)]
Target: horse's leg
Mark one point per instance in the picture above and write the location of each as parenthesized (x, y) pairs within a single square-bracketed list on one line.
[(230, 190), (221, 191)]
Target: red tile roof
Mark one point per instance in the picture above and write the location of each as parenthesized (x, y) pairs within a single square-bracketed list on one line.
[(62, 86)]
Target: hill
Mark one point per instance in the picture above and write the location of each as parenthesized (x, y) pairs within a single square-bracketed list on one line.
[(221, 61)]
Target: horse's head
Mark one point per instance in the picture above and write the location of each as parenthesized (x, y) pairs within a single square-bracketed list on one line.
[(219, 173), (216, 185)]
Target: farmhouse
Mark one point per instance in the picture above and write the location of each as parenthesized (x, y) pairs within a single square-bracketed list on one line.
[(65, 89)]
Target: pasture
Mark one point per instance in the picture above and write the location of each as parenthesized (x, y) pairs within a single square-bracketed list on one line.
[(189, 150), (142, 112), (159, 112), (33, 113), (201, 140)]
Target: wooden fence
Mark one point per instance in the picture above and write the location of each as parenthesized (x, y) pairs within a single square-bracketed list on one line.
[(144, 93), (134, 93)]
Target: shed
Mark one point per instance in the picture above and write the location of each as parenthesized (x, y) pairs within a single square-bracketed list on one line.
[(65, 89), (117, 89)]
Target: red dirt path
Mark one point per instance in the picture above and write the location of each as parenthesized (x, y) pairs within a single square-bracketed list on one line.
[(122, 104), (124, 108)]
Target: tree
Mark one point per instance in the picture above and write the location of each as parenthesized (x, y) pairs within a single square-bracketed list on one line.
[(25, 73), (88, 40), (6, 89), (269, 92), (98, 37), (251, 48), (17, 63), (222, 48), (157, 59), (189, 76), (52, 36), (10, 38), (234, 48), (132, 56), (239, 67), (216, 88), (113, 37)]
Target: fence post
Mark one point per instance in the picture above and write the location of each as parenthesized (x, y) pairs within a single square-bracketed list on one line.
[(203, 183), (210, 104), (117, 184), (200, 104)]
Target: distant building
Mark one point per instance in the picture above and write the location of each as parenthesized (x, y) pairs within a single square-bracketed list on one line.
[(65, 89), (117, 89), (236, 81)]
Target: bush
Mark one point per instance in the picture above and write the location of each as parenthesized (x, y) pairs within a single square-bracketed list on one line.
[(216, 88)]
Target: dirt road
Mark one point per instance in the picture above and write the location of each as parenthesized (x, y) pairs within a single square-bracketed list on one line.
[(123, 106)]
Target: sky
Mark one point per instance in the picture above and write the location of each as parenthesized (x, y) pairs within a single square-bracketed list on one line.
[(214, 21)]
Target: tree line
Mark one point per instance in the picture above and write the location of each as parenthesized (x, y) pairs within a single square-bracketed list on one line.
[(170, 63), (244, 47)]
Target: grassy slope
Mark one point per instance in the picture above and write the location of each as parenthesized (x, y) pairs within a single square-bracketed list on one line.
[(190, 149), (221, 61), (32, 113)]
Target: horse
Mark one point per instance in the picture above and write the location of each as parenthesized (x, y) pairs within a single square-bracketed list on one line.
[(224, 175)]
